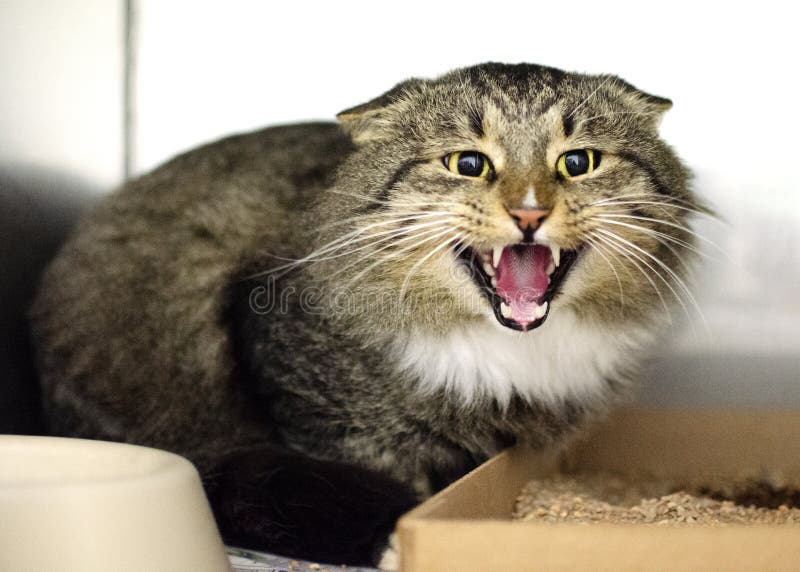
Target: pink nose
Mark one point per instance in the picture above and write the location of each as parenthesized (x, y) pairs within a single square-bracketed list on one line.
[(528, 218)]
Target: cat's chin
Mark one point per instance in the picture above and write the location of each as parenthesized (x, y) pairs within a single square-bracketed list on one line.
[(519, 280)]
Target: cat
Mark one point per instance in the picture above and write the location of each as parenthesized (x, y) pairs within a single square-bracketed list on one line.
[(333, 321)]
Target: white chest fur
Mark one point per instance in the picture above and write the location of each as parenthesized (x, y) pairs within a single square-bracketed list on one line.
[(563, 358)]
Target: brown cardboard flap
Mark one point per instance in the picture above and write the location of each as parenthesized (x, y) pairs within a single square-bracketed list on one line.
[(484, 493), (468, 525), (691, 443)]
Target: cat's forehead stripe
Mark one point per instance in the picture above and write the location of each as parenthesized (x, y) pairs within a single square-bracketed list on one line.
[(476, 121), (568, 124)]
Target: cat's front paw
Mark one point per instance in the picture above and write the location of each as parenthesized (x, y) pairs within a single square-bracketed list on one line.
[(390, 557), (272, 499)]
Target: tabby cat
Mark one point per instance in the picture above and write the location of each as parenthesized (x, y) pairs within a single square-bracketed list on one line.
[(334, 321)]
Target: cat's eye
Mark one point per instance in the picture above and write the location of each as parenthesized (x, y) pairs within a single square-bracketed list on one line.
[(578, 162), (467, 164)]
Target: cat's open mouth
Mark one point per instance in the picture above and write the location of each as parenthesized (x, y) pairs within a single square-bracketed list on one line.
[(520, 280)]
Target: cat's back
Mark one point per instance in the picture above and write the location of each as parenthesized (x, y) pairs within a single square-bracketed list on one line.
[(128, 320)]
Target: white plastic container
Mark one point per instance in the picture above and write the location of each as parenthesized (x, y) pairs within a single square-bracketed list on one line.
[(75, 505)]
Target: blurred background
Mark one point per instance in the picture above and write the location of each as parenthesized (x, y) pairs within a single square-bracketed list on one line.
[(95, 91)]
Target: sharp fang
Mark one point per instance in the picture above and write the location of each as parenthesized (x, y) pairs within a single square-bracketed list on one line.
[(541, 311), (496, 254), (551, 267), (505, 310), (494, 282), (488, 269), (556, 252)]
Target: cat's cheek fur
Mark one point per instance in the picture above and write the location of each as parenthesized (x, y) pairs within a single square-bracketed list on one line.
[(564, 359)]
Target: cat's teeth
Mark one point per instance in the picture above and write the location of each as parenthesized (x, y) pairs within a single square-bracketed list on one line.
[(494, 282), (541, 311), (497, 252), (551, 267), (505, 309), (556, 251), (488, 269)]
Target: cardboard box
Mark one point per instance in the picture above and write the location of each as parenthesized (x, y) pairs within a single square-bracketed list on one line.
[(468, 527)]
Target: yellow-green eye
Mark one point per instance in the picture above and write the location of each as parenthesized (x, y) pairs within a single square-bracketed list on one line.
[(578, 162), (467, 163)]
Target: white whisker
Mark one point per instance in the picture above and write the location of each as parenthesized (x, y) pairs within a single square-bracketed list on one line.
[(670, 272), (350, 238), (390, 216), (656, 236), (422, 261), (588, 97), (611, 113), (396, 254), (663, 205), (369, 199), (390, 243), (684, 228), (660, 236), (630, 257), (673, 201), (599, 250), (386, 235)]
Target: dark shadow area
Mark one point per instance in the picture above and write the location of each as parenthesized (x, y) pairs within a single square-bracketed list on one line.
[(38, 208), (760, 493)]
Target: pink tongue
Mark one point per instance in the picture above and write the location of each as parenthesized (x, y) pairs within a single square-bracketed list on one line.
[(522, 279)]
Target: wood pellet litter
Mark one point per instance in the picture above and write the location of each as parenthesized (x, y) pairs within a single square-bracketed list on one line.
[(610, 499)]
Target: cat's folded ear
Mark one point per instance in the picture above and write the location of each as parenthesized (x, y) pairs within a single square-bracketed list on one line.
[(369, 120), (649, 105)]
